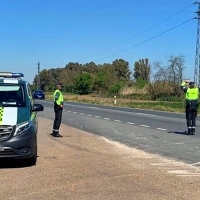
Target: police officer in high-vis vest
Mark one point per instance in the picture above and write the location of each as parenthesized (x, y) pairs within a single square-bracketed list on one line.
[(58, 109), (191, 107)]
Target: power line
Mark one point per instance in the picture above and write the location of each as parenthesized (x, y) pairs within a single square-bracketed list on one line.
[(148, 39), (139, 33)]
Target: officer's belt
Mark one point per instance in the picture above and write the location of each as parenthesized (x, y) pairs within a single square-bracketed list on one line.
[(190, 102)]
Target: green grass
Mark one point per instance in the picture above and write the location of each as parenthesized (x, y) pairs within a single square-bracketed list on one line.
[(159, 105), (176, 106)]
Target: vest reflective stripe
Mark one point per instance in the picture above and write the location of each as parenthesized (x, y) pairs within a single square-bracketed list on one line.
[(1, 115), (60, 99), (192, 93)]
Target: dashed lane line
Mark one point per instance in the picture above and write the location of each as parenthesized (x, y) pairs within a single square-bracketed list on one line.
[(161, 129), (146, 114), (130, 123), (144, 126)]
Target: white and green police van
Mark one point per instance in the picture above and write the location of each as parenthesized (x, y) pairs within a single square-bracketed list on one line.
[(18, 119)]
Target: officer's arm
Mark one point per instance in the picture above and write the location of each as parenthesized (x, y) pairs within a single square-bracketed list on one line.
[(57, 95), (183, 86)]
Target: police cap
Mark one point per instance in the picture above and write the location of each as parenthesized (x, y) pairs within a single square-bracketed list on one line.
[(191, 84)]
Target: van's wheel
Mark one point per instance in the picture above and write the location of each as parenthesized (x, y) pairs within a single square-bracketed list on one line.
[(32, 160)]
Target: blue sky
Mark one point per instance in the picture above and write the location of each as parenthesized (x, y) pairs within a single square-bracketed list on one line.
[(56, 32)]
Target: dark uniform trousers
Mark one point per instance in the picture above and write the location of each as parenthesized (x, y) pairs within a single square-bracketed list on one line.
[(191, 114), (58, 117)]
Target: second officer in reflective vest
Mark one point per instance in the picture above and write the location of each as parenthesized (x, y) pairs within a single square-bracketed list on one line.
[(58, 109), (191, 105)]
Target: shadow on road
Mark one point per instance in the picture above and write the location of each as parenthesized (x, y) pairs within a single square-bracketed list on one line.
[(178, 132)]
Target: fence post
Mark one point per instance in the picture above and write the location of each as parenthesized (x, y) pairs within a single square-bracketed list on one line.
[(115, 100)]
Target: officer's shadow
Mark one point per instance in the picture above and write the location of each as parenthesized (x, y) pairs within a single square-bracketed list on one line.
[(178, 132)]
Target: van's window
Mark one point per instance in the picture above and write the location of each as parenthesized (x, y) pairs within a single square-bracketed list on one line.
[(30, 94), (11, 95)]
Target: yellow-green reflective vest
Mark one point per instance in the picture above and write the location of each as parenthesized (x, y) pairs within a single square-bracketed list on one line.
[(58, 97), (192, 93), (183, 84)]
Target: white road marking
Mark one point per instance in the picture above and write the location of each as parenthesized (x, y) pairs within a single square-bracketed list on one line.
[(130, 123), (144, 126), (188, 175), (184, 172), (179, 143), (166, 164), (146, 114), (92, 107), (197, 163), (162, 129), (188, 171)]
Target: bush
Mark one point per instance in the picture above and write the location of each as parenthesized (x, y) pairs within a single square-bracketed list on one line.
[(114, 89)]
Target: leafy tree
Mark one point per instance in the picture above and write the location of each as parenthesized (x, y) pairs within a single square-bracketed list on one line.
[(69, 74), (90, 67), (142, 70), (121, 69), (106, 72), (100, 81), (73, 66), (84, 83)]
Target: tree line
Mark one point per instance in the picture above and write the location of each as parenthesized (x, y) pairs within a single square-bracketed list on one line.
[(111, 78)]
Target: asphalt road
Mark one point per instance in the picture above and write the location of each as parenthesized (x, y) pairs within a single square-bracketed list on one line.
[(84, 166), (161, 133)]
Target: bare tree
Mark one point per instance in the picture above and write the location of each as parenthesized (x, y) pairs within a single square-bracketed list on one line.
[(167, 79), (175, 70)]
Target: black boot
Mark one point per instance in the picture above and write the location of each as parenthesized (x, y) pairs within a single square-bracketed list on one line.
[(53, 133), (189, 131), (193, 131), (56, 134)]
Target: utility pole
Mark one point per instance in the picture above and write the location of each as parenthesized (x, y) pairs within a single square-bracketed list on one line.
[(38, 78), (197, 57)]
